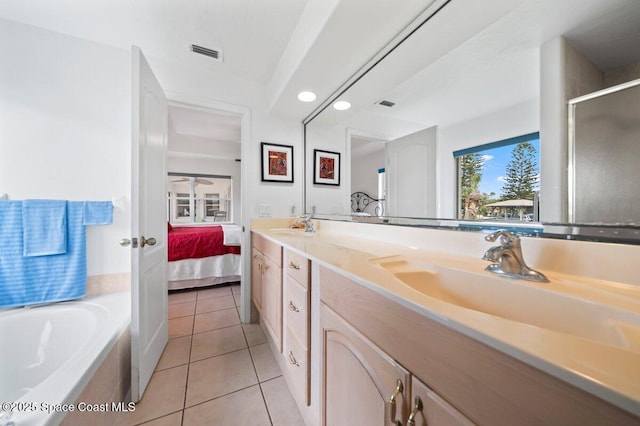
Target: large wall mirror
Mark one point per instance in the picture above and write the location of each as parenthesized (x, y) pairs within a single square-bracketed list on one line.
[(467, 118)]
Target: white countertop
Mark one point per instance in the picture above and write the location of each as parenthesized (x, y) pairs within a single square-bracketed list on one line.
[(609, 372)]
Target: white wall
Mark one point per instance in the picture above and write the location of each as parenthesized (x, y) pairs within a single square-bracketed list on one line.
[(518, 120), (364, 172), (65, 128)]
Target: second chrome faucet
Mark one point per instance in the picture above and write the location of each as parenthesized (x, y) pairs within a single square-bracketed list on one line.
[(508, 260)]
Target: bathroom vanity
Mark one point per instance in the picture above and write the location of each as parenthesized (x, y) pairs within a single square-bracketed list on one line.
[(408, 328)]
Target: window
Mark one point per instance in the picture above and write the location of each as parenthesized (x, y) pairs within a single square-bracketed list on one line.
[(199, 198), (500, 180)]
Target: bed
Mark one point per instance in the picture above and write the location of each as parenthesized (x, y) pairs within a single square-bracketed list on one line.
[(203, 255)]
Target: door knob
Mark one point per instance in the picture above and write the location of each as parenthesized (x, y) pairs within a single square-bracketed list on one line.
[(147, 241), (125, 242)]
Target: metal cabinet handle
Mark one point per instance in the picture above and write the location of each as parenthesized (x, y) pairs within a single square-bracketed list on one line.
[(147, 241), (392, 401), (292, 265), (417, 407), (292, 359), (293, 307)]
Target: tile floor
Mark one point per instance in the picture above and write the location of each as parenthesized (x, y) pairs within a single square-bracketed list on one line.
[(215, 370)]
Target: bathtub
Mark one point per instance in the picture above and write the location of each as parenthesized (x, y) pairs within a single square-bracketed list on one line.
[(49, 354)]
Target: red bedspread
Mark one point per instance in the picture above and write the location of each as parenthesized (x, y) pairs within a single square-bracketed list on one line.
[(194, 242)]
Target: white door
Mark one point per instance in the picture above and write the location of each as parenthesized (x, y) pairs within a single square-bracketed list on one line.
[(411, 175), (149, 323)]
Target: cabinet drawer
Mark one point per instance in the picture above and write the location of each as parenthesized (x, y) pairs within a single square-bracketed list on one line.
[(296, 310), (297, 367), (270, 249), (297, 267)]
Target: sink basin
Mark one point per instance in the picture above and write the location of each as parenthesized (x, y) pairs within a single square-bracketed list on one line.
[(609, 316), (291, 232)]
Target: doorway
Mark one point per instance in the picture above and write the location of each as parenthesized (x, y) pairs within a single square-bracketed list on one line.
[(205, 136)]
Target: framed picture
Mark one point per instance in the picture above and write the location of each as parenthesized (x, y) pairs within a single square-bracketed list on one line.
[(326, 167), (277, 162)]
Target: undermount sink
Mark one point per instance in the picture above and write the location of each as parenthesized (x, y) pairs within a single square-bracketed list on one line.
[(291, 232), (609, 316)]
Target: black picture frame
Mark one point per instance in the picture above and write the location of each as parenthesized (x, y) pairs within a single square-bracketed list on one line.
[(277, 162), (326, 167)]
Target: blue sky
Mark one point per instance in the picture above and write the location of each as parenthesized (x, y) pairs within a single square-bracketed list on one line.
[(495, 167)]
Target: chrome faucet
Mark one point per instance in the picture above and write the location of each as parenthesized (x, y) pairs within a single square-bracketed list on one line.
[(508, 260), (304, 220)]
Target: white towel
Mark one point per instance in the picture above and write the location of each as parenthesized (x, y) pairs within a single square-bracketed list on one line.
[(232, 235)]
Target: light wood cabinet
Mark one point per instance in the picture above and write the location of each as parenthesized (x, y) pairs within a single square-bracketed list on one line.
[(266, 283), (430, 409), (362, 384), (296, 327), (257, 262)]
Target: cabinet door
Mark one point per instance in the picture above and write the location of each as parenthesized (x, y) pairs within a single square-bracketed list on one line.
[(257, 261), (272, 300), (359, 380), (428, 408)]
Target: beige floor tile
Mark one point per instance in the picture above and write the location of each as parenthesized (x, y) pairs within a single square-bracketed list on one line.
[(217, 342), (176, 353), (215, 320), (174, 419), (266, 365), (236, 297), (182, 296), (177, 310), (214, 292), (235, 289), (254, 334), (164, 395), (243, 408), (215, 304), (220, 375), (179, 327), (282, 408)]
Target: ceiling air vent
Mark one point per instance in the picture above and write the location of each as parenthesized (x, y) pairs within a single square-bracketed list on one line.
[(212, 53), (386, 103)]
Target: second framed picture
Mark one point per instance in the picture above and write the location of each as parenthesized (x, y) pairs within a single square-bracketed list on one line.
[(326, 167), (277, 162)]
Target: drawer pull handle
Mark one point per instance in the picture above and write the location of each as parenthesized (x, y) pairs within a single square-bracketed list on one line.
[(292, 359), (392, 401), (294, 266), (293, 307), (417, 407)]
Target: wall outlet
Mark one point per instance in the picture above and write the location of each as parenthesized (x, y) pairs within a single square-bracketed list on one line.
[(265, 210), (292, 210)]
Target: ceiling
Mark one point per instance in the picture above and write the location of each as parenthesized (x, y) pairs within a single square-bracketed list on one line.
[(286, 45), (434, 77)]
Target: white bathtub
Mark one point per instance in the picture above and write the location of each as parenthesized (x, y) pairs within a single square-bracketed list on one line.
[(49, 353)]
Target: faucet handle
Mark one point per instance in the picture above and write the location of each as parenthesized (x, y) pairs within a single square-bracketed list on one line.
[(506, 237)]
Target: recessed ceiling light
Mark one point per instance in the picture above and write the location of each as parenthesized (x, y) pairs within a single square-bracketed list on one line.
[(306, 96), (341, 105)]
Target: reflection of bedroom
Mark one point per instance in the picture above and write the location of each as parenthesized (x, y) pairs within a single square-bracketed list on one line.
[(203, 198)]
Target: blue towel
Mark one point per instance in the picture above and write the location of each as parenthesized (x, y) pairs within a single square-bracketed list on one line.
[(44, 227), (41, 279), (98, 213)]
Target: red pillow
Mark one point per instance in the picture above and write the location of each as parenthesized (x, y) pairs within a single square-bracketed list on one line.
[(169, 228)]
